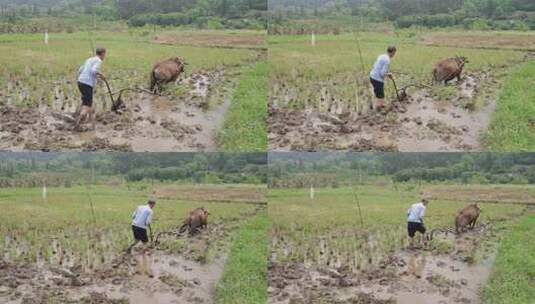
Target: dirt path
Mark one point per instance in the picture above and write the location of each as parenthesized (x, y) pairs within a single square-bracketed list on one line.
[(419, 123), (148, 124), (408, 276)]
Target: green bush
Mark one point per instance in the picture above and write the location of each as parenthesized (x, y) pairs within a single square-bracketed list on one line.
[(438, 20), (171, 19), (477, 24), (530, 22)]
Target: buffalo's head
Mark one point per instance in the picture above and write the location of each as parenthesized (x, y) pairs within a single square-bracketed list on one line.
[(461, 60), (179, 60), (206, 212)]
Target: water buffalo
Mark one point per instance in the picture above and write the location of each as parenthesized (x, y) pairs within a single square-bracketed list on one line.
[(165, 72), (448, 69), (467, 218), (196, 219)]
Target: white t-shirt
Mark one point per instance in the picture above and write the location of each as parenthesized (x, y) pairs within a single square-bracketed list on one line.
[(142, 216), (416, 213), (88, 71), (380, 68)]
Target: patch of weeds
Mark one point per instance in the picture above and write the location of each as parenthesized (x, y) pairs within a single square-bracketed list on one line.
[(442, 246), (442, 92), (173, 246), (174, 281), (439, 281), (391, 117)]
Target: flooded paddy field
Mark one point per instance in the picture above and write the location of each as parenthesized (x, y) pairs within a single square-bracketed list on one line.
[(55, 251), (40, 101), (323, 250), (320, 95)]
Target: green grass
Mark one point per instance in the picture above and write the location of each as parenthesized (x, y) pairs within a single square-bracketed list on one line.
[(513, 276), (245, 125), (513, 124), (29, 224), (330, 223), (245, 276)]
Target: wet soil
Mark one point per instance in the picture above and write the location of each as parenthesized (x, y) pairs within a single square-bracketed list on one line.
[(148, 123), (424, 275), (176, 280), (419, 123)]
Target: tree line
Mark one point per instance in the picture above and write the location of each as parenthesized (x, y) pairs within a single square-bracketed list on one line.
[(198, 13), (36, 169), (471, 14), (335, 169)]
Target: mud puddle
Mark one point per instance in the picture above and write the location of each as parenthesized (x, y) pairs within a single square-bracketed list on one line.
[(419, 123), (176, 280), (408, 276), (147, 124)]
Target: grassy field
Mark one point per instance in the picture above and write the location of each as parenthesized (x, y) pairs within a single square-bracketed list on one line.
[(244, 279), (302, 228), (245, 127), (513, 125), (35, 230), (512, 278)]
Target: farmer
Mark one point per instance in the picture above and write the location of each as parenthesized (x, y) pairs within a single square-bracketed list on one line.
[(142, 218), (379, 72), (88, 74), (415, 220)]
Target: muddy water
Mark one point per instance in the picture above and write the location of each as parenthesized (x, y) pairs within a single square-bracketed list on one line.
[(148, 124), (432, 280), (421, 123), (409, 276), (431, 127), (176, 280)]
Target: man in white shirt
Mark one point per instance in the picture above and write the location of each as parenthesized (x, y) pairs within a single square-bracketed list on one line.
[(88, 74), (141, 220), (415, 219), (380, 70)]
